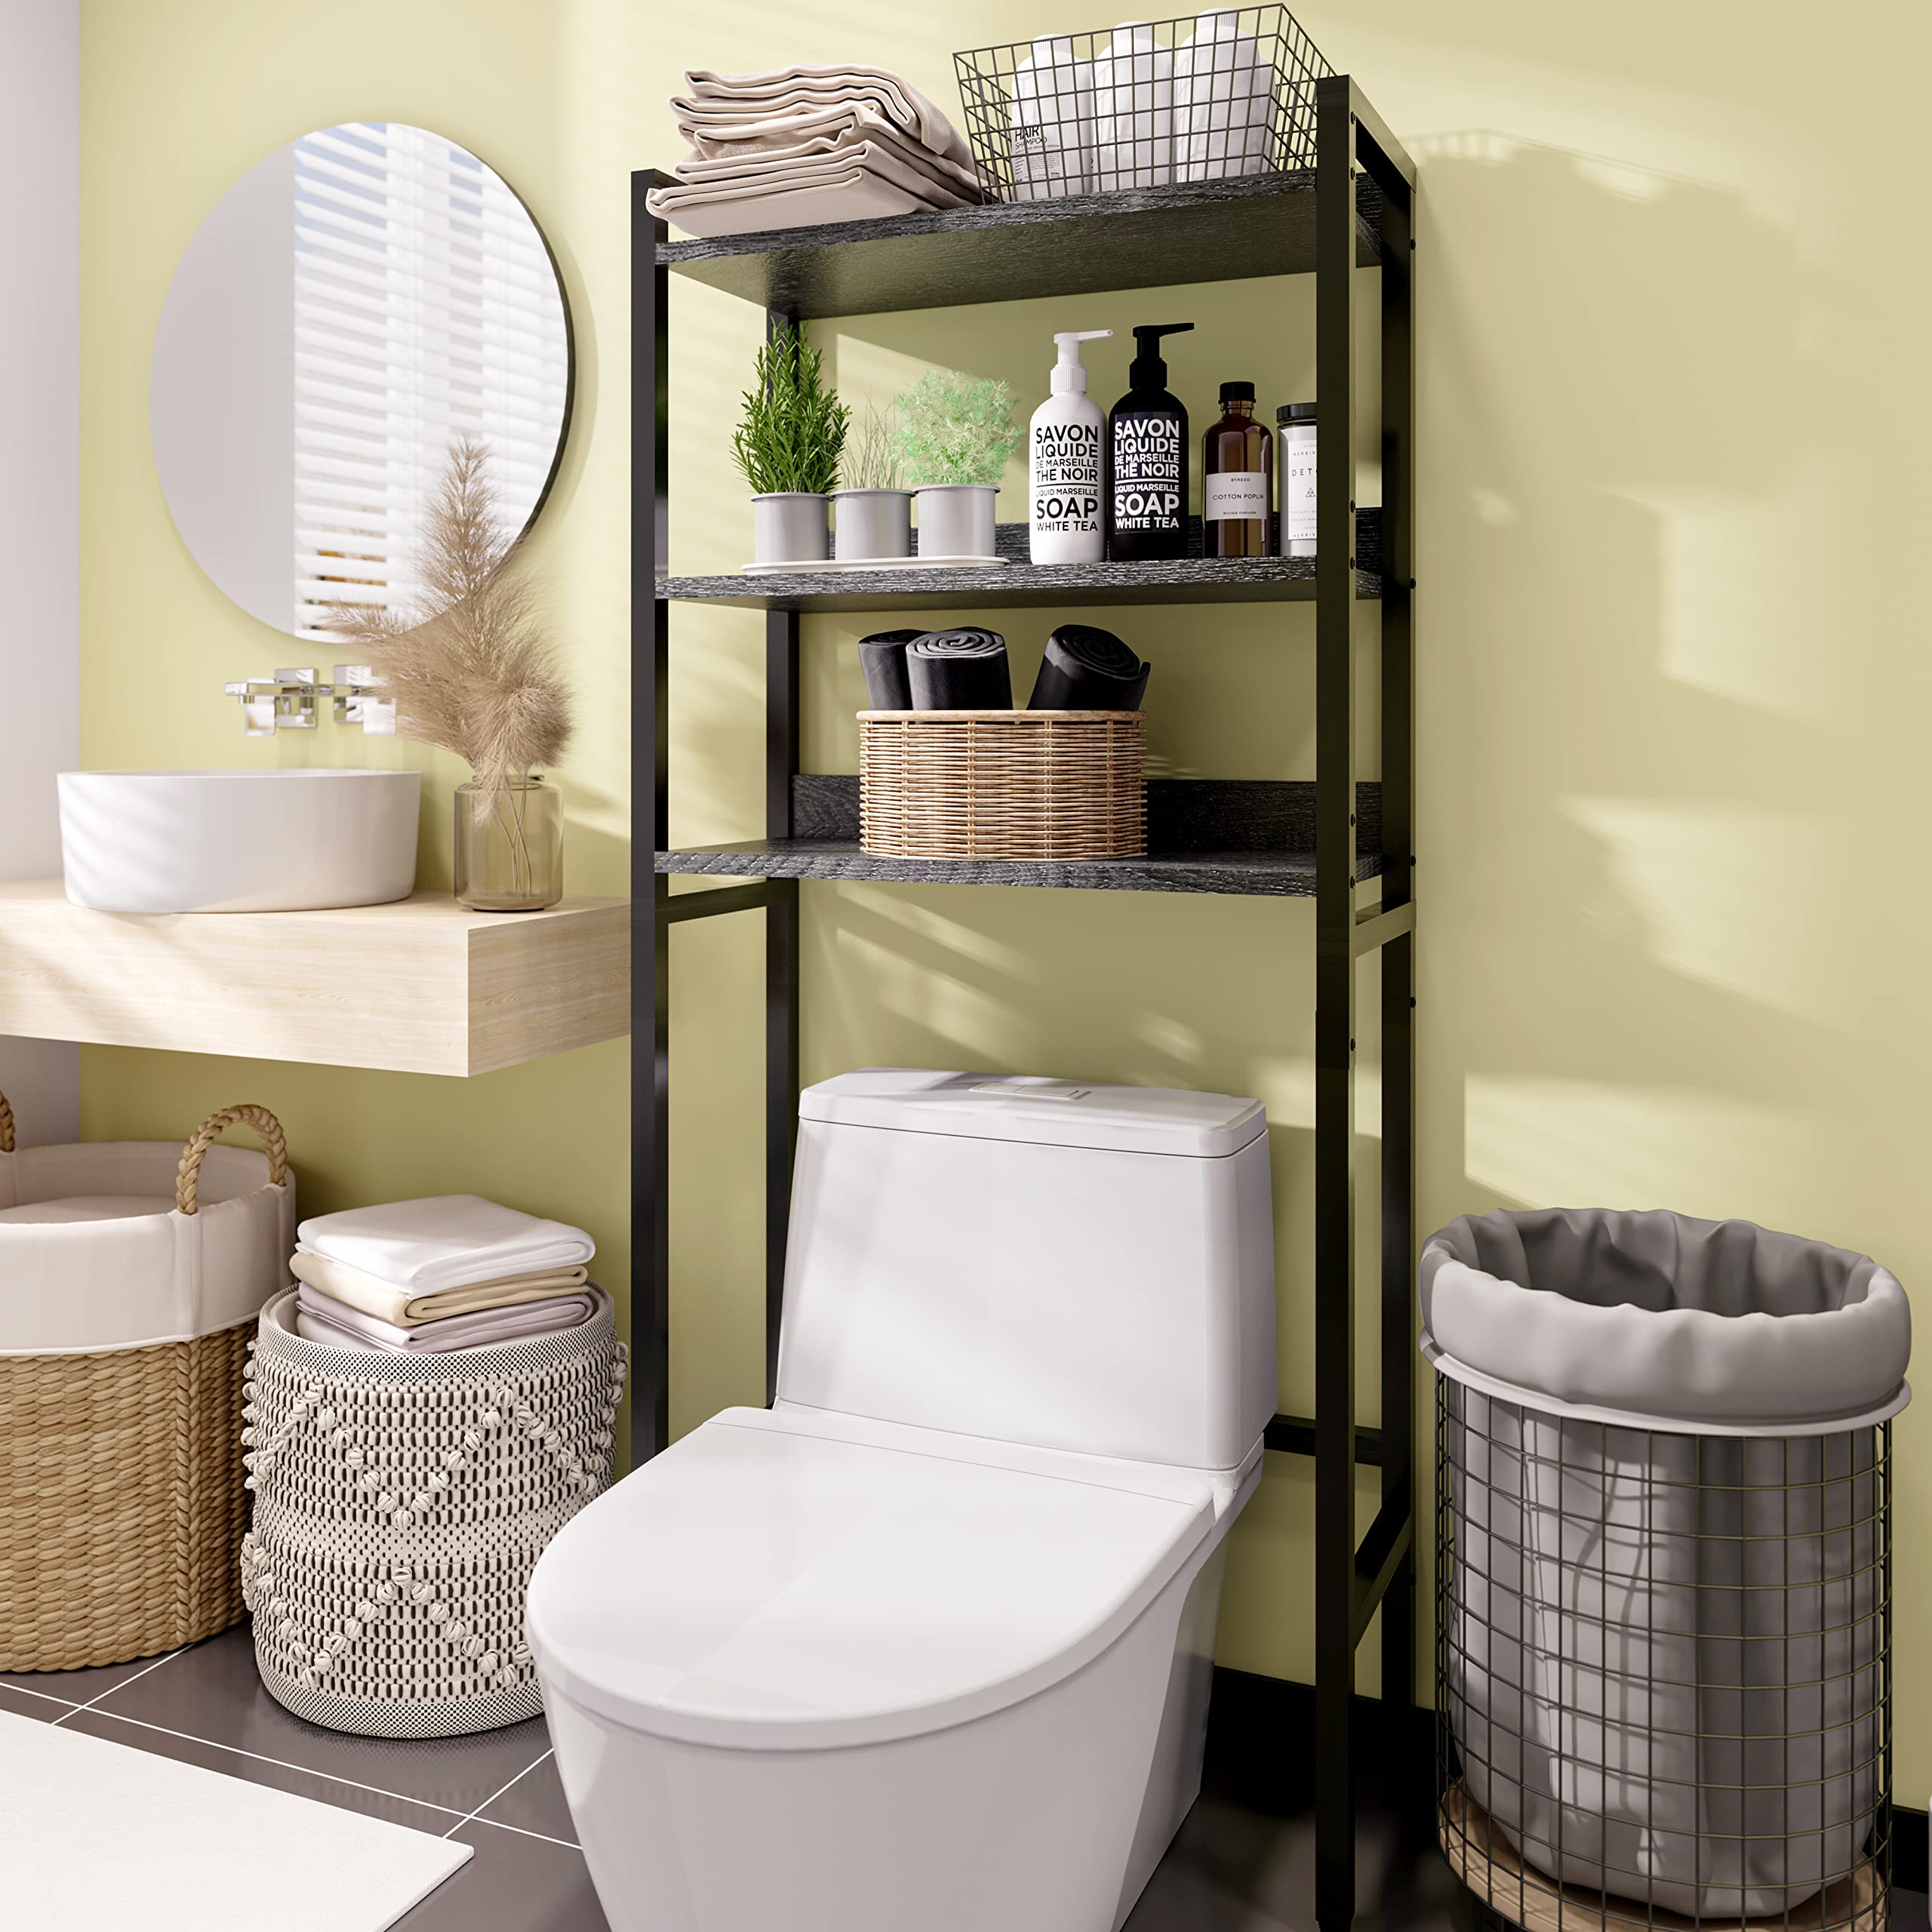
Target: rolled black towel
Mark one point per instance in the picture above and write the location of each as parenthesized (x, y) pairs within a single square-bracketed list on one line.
[(1087, 668), (883, 657), (959, 670)]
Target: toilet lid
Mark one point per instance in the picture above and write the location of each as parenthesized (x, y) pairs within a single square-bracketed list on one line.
[(760, 1587)]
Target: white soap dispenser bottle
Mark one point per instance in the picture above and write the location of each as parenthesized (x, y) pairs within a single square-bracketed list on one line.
[(1065, 464)]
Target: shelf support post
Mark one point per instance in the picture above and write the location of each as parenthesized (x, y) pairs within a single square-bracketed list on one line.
[(650, 930), (1397, 957), (781, 954), (1334, 1004)]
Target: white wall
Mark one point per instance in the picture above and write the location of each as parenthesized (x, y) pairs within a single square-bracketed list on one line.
[(39, 488)]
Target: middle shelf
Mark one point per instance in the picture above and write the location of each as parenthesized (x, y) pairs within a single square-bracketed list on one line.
[(1251, 837), (1017, 582)]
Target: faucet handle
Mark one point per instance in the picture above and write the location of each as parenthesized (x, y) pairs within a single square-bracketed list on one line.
[(358, 701), (287, 701)]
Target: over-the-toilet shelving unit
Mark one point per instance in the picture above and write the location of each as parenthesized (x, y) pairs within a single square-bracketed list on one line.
[(420, 986), (1323, 840)]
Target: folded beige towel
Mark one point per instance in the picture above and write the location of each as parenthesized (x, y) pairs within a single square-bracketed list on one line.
[(848, 136), (446, 1241), (322, 1318), (850, 195), (725, 97), (407, 1309)]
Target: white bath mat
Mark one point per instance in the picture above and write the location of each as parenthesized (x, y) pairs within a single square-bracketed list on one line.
[(102, 1838)]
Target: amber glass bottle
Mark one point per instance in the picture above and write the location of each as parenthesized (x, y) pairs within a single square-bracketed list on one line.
[(1237, 480)]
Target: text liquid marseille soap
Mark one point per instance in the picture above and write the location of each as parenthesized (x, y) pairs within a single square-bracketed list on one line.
[(1149, 493), (1064, 463)]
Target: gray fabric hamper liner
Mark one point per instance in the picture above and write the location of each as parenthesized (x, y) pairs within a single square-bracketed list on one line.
[(1666, 1614)]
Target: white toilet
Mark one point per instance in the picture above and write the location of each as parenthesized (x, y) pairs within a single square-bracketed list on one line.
[(926, 1647)]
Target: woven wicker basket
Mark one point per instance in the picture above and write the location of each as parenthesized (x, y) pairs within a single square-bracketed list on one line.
[(402, 1501), (121, 1498), (1002, 784)]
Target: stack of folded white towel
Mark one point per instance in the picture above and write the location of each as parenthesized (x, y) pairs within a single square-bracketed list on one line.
[(453, 1271), (803, 145)]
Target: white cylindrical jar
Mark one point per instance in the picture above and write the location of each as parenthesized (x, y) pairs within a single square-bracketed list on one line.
[(1294, 435)]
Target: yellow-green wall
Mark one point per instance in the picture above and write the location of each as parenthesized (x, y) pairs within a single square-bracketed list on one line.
[(1673, 680)]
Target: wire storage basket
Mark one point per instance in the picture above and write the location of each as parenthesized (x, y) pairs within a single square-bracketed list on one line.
[(1663, 1671), (1208, 97), (1663, 1571)]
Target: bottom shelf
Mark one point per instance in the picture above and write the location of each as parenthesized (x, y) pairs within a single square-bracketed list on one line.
[(1253, 838)]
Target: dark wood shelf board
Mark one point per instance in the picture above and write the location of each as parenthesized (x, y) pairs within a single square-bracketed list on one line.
[(1019, 584), (1250, 837), (1261, 874), (1078, 244)]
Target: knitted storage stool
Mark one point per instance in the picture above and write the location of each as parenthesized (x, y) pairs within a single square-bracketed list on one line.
[(401, 1503)]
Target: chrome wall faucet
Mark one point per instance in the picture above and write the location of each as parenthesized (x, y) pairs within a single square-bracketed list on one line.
[(286, 702)]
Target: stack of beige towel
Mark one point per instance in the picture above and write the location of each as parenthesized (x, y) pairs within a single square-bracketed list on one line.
[(452, 1272), (803, 145)]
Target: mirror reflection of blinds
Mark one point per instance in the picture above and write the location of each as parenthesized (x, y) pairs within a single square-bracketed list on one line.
[(425, 310)]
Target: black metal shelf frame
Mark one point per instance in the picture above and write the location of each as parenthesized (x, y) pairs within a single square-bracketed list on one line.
[(1362, 177)]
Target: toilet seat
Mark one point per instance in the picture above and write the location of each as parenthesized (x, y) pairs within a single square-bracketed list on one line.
[(795, 1580)]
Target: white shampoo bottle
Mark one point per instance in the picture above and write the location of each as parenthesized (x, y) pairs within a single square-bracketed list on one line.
[(1064, 463)]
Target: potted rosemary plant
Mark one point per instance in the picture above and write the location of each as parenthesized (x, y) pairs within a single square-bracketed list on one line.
[(956, 436), (872, 512), (788, 443), (471, 665)]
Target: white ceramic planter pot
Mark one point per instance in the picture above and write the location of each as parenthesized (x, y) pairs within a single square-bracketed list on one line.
[(787, 527), (868, 524), (956, 519)]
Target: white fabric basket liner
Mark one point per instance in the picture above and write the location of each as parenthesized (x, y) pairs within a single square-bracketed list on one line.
[(107, 1276), (1621, 1573), (1508, 1391)]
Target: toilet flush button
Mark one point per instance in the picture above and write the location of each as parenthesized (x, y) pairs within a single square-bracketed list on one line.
[(1033, 1089)]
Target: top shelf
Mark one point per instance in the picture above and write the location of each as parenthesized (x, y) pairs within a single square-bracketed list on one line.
[(1076, 244)]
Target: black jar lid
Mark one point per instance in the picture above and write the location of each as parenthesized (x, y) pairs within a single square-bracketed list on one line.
[(1237, 392), (1295, 412)]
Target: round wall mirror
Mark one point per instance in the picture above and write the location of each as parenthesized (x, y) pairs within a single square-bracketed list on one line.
[(367, 300)]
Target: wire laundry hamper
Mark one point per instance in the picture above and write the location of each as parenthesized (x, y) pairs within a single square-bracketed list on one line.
[(1663, 1670), (1226, 92)]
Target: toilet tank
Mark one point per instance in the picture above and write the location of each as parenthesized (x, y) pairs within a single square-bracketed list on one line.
[(1037, 1261)]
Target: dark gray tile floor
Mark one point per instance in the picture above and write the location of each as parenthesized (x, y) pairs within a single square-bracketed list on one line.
[(1244, 1861)]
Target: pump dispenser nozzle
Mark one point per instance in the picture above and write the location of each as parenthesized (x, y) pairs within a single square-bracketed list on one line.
[(1149, 370), (1069, 373)]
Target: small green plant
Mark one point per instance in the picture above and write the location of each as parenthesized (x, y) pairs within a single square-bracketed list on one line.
[(794, 429), (955, 429), (872, 462)]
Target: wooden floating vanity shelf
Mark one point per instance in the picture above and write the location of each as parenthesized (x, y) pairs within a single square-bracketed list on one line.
[(419, 986)]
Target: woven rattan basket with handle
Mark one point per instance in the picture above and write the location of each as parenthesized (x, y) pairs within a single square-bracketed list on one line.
[(121, 1468), (1002, 784)]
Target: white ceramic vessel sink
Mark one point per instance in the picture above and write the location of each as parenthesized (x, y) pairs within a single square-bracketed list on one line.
[(238, 841)]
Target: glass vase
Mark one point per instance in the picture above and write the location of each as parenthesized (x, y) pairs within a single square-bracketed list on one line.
[(509, 846)]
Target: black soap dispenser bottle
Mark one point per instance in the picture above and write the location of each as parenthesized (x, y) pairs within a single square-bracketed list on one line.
[(1147, 498)]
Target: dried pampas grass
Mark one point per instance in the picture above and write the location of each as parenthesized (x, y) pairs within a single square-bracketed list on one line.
[(472, 665)]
